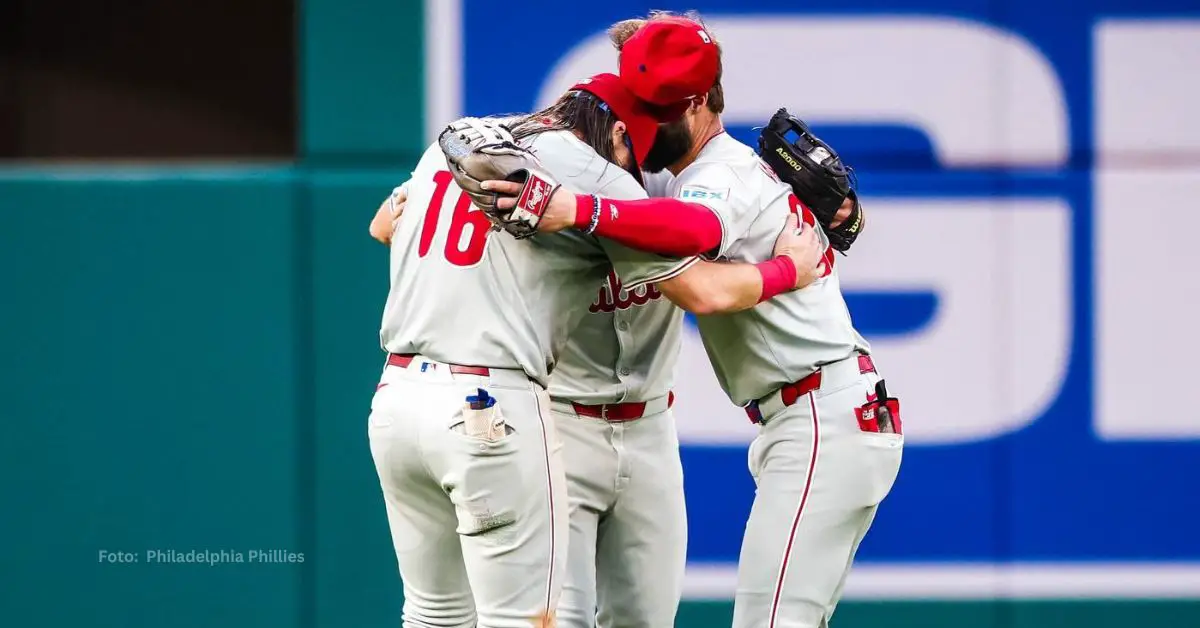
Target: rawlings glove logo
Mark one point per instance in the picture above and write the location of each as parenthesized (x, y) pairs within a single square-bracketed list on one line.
[(536, 196)]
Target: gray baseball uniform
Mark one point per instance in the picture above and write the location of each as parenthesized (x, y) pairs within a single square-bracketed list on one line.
[(820, 477), (480, 526), (611, 404)]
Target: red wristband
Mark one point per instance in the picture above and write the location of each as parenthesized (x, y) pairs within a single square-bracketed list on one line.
[(585, 204), (778, 276)]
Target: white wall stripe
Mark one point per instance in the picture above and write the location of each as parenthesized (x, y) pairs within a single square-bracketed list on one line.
[(443, 65), (965, 581)]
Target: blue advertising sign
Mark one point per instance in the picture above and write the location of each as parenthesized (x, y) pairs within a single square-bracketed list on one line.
[(1041, 358)]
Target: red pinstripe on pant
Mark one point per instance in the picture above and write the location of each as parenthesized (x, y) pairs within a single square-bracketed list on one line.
[(812, 469)]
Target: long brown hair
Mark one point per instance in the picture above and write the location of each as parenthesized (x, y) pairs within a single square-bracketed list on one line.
[(577, 111)]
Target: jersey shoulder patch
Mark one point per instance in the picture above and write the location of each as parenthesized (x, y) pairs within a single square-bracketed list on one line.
[(707, 181), (694, 192)]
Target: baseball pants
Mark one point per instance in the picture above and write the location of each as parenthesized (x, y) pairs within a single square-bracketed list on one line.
[(479, 526), (820, 480), (628, 540)]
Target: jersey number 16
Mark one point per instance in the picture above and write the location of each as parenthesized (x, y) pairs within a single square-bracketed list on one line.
[(459, 250)]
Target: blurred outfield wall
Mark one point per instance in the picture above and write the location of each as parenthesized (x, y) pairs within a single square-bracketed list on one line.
[(190, 351)]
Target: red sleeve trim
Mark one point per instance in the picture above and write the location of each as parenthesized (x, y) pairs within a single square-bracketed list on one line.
[(659, 225)]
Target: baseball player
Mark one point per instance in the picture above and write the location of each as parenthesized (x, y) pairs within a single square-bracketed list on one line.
[(830, 440), (611, 400), (467, 456), (612, 403)]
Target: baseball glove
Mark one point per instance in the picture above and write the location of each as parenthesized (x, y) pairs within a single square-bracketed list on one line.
[(816, 173), (479, 150)]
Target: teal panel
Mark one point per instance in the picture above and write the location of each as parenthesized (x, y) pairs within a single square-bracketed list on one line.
[(361, 80), (973, 614), (1105, 614), (357, 581), (149, 347), (921, 615)]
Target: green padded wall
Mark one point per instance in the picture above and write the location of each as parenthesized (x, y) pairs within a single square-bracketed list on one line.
[(150, 396), (361, 79), (356, 578)]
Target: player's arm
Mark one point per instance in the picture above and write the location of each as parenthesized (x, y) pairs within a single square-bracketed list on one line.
[(712, 288), (716, 288), (665, 226), (383, 224), (721, 288), (704, 287)]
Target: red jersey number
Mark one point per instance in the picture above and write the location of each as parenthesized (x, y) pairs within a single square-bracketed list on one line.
[(465, 221), (806, 216)]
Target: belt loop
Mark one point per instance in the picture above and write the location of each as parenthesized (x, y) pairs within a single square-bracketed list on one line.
[(755, 414), (604, 411), (866, 364)]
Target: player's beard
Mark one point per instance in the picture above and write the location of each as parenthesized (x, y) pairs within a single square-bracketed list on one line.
[(673, 142)]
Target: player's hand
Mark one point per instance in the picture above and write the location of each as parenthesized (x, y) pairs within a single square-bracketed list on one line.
[(559, 213), (800, 244), (843, 213), (479, 150), (383, 225)]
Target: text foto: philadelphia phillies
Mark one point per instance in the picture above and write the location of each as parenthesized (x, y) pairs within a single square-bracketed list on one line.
[(202, 557)]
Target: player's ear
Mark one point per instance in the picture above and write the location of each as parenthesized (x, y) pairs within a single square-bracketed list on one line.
[(618, 133), (622, 149)]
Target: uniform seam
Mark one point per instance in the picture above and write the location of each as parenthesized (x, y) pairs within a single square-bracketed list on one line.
[(617, 179), (422, 451), (812, 472), (621, 350), (549, 498), (675, 271), (726, 242), (758, 328)]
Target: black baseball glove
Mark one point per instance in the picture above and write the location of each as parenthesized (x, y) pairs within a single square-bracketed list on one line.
[(816, 173), (480, 150)]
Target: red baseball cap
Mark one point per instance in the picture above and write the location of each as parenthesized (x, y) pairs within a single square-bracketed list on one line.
[(669, 60), (639, 123)]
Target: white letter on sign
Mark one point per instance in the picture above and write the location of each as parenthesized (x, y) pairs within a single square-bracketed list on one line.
[(1147, 312)]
